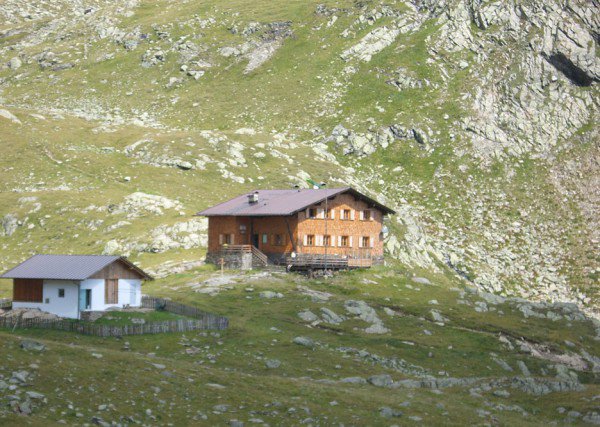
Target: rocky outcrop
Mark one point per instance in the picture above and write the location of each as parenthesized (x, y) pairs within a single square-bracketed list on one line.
[(181, 235), (139, 204)]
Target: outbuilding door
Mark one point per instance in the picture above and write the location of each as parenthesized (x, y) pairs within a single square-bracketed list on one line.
[(85, 299)]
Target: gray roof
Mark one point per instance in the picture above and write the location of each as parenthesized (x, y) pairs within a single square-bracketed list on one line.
[(283, 202), (65, 267)]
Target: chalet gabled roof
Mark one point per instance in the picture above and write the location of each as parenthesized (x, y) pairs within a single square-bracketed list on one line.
[(283, 202), (66, 267)]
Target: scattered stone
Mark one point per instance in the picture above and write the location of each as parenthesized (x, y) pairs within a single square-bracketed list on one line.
[(270, 294), (308, 316), (383, 380), (273, 363), (221, 408), (10, 116), (34, 395), (353, 380), (304, 341), (437, 317), (329, 316), (14, 63), (31, 345), (387, 412)]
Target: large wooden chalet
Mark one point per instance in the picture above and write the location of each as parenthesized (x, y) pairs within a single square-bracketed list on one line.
[(300, 228)]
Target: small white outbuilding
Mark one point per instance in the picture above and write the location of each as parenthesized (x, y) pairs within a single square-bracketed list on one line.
[(69, 285)]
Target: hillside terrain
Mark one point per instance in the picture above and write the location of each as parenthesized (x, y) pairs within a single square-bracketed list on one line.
[(475, 120), (380, 347)]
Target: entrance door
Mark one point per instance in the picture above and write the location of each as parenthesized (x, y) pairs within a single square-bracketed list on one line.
[(255, 240), (85, 299)]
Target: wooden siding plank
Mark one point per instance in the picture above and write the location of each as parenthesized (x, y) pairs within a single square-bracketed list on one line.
[(28, 290), (117, 270), (111, 291)]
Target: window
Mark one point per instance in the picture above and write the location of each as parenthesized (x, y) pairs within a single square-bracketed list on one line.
[(312, 213), (366, 215), (344, 241), (226, 239), (278, 240), (326, 240), (365, 242), (61, 293), (265, 239), (346, 214), (310, 240), (111, 291)]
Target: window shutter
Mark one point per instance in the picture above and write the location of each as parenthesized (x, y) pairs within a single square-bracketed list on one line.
[(360, 242), (350, 241), (339, 240), (352, 214), (319, 240), (371, 241), (332, 213), (306, 213), (232, 239), (221, 239), (361, 215), (305, 241), (320, 213), (332, 241), (372, 216)]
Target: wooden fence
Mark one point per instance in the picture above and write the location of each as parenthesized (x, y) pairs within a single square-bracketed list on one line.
[(200, 321)]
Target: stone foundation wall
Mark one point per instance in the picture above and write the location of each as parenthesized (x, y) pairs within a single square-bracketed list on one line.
[(241, 261)]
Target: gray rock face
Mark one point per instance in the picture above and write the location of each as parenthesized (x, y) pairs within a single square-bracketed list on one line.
[(9, 225)]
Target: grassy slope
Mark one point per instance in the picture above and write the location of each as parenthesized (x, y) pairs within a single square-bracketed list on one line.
[(263, 329)]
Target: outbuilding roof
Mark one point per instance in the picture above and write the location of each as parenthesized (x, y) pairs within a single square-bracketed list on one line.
[(66, 267), (283, 202)]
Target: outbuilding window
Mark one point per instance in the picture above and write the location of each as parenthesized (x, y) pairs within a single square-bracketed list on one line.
[(344, 241), (278, 240), (346, 214), (61, 293), (312, 213), (310, 240)]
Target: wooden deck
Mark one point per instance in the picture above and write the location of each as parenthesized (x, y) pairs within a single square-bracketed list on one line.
[(322, 262)]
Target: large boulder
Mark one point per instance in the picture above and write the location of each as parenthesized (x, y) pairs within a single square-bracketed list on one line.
[(31, 345)]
